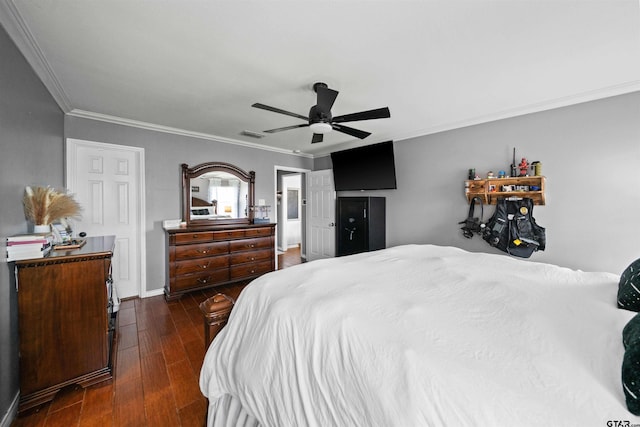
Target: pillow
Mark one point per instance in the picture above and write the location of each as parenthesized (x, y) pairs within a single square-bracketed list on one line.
[(631, 333), (631, 365), (629, 287)]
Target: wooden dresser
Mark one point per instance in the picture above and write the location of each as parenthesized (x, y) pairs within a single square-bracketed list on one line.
[(67, 330), (201, 258)]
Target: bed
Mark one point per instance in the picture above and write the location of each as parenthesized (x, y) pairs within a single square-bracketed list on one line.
[(420, 335)]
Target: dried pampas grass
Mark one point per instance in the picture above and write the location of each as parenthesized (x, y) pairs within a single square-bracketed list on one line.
[(44, 205)]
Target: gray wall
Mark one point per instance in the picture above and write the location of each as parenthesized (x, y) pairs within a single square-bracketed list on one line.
[(31, 153), (163, 155), (590, 155)]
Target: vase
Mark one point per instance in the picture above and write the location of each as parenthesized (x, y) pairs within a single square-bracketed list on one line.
[(41, 228)]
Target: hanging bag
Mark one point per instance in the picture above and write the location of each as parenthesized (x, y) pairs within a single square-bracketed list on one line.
[(513, 229)]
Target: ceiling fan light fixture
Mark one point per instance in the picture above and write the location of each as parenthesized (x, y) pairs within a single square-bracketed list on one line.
[(320, 127)]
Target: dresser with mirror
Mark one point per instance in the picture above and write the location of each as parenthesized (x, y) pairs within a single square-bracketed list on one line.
[(218, 243)]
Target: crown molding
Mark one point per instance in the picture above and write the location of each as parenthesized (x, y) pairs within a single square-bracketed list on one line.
[(26, 43), (566, 101), (176, 131)]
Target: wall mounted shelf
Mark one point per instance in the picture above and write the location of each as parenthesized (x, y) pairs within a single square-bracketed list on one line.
[(491, 189)]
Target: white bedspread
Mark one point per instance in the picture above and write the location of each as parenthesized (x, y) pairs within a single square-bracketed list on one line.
[(423, 335)]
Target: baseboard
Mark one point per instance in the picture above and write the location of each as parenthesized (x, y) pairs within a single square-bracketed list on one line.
[(12, 412)]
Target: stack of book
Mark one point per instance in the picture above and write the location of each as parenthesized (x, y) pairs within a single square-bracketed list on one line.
[(28, 246)]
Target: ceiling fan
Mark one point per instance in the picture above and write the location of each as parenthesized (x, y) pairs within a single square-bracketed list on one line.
[(320, 119)]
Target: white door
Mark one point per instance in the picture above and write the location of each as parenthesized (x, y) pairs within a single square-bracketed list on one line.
[(321, 208), (108, 182)]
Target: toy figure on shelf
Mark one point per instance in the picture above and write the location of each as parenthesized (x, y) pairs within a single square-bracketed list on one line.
[(523, 166)]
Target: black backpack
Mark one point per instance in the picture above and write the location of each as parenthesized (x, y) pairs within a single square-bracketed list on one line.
[(513, 229)]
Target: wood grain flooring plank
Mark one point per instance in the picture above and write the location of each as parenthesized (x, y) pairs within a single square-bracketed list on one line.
[(127, 316), (66, 397), (127, 336), (178, 313), (128, 365), (163, 324), (98, 405), (145, 319), (173, 349), (195, 352), (65, 417), (160, 409), (184, 383), (195, 414), (154, 374), (129, 404), (186, 330), (149, 342)]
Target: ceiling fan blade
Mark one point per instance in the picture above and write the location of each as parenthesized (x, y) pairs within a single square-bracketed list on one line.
[(378, 113), (326, 97), (317, 137), (278, 110), (350, 131), (286, 128)]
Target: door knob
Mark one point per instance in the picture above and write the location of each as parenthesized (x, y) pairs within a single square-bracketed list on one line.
[(333, 224)]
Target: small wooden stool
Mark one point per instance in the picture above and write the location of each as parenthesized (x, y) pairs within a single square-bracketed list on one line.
[(216, 312)]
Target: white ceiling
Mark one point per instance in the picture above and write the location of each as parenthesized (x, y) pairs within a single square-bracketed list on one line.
[(195, 67)]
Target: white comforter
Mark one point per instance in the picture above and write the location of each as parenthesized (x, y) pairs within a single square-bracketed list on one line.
[(422, 335)]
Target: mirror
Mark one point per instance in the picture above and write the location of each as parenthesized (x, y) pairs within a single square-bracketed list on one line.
[(217, 193)]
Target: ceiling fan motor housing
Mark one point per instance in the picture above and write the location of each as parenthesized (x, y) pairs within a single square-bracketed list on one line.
[(317, 115)]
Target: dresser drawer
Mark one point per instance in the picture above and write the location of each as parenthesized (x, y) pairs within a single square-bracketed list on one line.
[(250, 269), (201, 250), (249, 244), (193, 281), (196, 236), (251, 256), (261, 231), (200, 265), (228, 234)]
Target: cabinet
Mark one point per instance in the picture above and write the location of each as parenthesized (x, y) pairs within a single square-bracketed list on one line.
[(491, 189), (360, 224), (201, 258), (66, 325)]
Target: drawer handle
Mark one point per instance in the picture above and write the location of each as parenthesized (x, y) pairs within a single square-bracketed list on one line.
[(195, 236), (205, 251), (253, 271), (253, 258), (203, 281), (252, 245), (206, 266)]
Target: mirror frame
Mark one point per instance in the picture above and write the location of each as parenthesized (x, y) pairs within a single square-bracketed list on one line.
[(188, 173)]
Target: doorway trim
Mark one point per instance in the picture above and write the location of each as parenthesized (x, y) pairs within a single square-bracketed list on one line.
[(303, 197), (70, 176)]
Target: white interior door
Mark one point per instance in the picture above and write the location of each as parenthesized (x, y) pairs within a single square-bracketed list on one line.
[(108, 182), (321, 208)]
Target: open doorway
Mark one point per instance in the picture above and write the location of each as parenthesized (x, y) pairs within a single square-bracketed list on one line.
[(290, 214)]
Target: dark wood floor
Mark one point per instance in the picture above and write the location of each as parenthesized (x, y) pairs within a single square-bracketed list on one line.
[(159, 355)]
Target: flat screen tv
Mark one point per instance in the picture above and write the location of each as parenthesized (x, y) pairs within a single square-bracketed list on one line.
[(371, 167)]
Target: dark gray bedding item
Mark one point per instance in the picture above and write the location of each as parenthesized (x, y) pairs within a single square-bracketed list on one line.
[(629, 287)]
